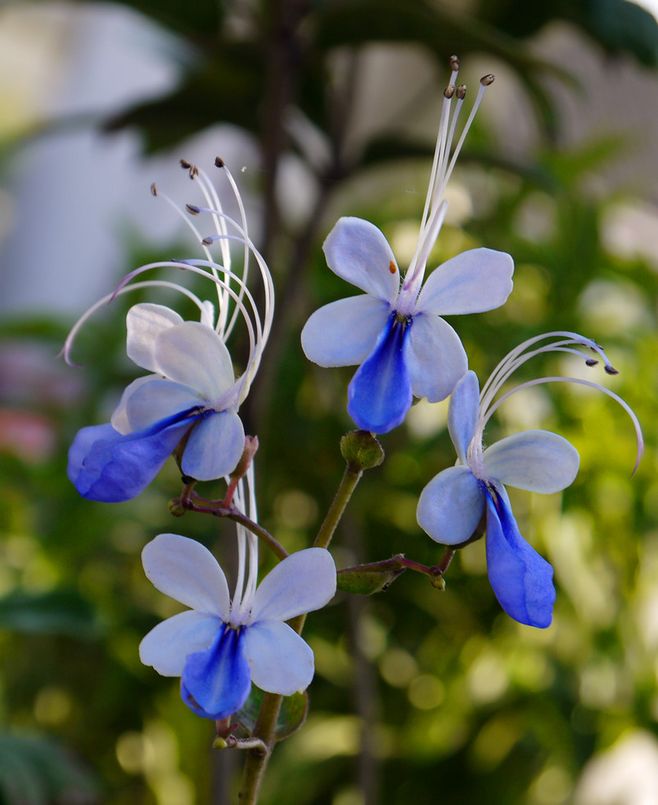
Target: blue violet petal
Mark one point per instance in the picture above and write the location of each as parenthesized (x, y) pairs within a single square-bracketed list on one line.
[(110, 467), (521, 579), (379, 394), (216, 682)]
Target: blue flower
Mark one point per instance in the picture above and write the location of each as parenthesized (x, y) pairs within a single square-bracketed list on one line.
[(192, 393), (395, 332), (457, 500), (191, 398), (219, 647)]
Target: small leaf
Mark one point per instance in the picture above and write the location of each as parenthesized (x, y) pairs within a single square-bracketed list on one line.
[(368, 579), (291, 716)]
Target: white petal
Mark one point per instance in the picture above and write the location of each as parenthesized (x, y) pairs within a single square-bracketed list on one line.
[(471, 282), (451, 506), (302, 582), (150, 399), (194, 355), (120, 421), (463, 413), (185, 570), (358, 252), (344, 333), (214, 446), (144, 323), (280, 661), (436, 358), (168, 644), (537, 460)]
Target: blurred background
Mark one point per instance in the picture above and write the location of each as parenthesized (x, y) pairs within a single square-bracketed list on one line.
[(325, 109)]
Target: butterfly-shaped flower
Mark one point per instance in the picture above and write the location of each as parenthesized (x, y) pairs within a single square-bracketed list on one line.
[(219, 647), (396, 331), (454, 502), (192, 392), (192, 397)]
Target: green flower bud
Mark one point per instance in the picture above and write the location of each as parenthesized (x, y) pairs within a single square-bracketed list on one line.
[(361, 450)]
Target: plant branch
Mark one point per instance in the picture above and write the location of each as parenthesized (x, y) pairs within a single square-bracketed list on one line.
[(190, 501), (264, 731)]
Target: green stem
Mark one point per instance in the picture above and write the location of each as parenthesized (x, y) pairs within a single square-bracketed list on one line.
[(257, 760)]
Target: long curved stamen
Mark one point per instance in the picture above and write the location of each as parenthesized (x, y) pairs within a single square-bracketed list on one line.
[(439, 186), (485, 81), (245, 590), (241, 533), (110, 297), (212, 199), (266, 277), (580, 382), (516, 358), (247, 239), (443, 165), (220, 219), (439, 147), (180, 213), (189, 265)]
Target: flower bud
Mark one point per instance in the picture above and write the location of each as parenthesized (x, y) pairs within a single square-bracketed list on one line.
[(361, 450), (176, 508)]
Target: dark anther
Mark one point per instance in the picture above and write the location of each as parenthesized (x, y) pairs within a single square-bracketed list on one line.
[(192, 209), (207, 241), (611, 369), (154, 190), (591, 361), (185, 165), (449, 91), (219, 162), (454, 63), (487, 80), (461, 91)]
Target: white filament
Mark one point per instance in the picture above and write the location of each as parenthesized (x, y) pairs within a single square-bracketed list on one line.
[(435, 207), (564, 342)]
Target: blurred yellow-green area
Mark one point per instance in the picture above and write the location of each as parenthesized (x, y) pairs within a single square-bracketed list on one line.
[(329, 109)]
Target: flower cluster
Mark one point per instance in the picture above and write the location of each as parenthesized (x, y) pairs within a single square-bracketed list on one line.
[(405, 349), (188, 405)]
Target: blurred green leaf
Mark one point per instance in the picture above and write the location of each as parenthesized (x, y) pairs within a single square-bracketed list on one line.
[(291, 716), (617, 25), (61, 612), (36, 771)]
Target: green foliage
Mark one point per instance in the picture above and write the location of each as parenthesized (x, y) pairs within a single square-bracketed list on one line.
[(63, 612), (36, 771)]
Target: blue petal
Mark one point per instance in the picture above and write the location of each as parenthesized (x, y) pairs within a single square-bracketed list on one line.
[(109, 467), (379, 395), (216, 682), (463, 413), (521, 579)]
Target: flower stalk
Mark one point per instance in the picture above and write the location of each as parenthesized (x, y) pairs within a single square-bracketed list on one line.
[(361, 451)]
